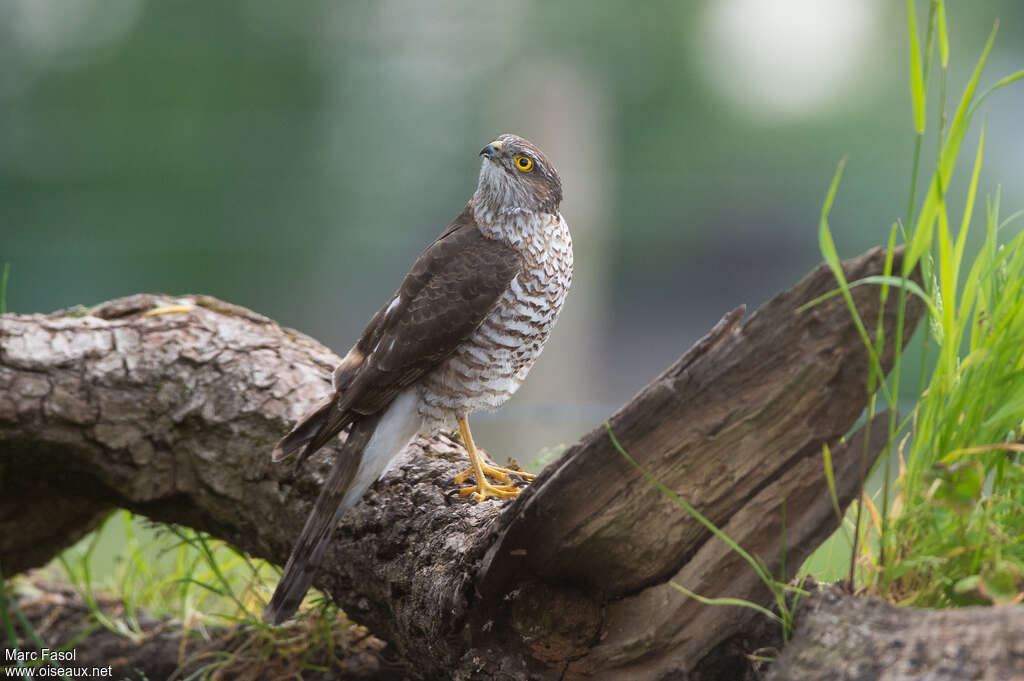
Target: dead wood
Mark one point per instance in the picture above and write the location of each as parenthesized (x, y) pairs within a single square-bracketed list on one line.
[(173, 416), (842, 638)]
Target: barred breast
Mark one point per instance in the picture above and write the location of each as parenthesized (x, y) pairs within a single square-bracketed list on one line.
[(490, 366)]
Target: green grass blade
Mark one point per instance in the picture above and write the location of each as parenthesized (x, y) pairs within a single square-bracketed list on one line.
[(943, 34), (216, 568), (921, 237), (36, 640), (216, 590), (828, 251), (916, 74), (880, 279), (947, 282), (972, 192), (1013, 218), (727, 601), (830, 478), (962, 117), (756, 564), (5, 620), (890, 255), (968, 300), (1001, 83)]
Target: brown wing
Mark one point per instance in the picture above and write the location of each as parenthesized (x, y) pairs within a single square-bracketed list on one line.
[(447, 294)]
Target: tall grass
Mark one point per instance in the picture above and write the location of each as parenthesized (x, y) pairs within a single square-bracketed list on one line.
[(210, 589), (12, 619), (168, 570), (947, 530)]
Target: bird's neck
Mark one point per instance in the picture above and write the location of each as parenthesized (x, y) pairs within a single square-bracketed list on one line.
[(515, 227)]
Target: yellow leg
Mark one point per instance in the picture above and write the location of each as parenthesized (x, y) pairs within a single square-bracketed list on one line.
[(483, 489)]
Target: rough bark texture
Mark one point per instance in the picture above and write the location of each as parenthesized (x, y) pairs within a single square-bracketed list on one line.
[(843, 638), (173, 415)]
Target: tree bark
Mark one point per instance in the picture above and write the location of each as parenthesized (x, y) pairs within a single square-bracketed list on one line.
[(843, 638), (172, 415)]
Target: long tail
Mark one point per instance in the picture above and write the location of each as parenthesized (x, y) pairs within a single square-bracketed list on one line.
[(305, 558), (314, 430)]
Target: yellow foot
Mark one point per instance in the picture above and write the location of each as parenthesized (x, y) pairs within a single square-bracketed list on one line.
[(481, 469), (484, 489), (496, 472)]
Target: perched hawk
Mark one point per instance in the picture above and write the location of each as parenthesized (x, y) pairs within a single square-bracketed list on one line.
[(460, 334)]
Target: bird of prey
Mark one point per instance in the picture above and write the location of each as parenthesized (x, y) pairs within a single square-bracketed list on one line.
[(459, 334)]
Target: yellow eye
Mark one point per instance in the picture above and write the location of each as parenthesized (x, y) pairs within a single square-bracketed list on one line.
[(524, 163)]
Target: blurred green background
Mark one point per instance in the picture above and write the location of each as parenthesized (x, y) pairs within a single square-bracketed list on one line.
[(295, 157)]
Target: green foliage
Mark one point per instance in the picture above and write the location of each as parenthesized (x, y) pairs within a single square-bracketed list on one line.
[(949, 528), (545, 456), (11, 618), (963, 486), (208, 586), (169, 570), (916, 76)]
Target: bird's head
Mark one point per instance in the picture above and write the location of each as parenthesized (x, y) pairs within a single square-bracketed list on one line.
[(517, 178)]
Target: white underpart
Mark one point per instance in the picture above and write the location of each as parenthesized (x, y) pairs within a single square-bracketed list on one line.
[(492, 363), (396, 429)]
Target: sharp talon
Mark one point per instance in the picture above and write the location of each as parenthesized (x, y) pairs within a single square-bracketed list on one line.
[(482, 492), (521, 474), (481, 469), (496, 472)]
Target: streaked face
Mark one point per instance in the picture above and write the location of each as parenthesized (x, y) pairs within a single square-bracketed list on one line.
[(516, 177)]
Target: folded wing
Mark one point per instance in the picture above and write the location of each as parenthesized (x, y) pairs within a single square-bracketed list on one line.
[(446, 295)]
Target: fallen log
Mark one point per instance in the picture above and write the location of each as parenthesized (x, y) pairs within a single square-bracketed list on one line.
[(847, 637), (173, 416)]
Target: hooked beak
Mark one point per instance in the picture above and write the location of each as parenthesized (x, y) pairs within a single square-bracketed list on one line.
[(492, 150)]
